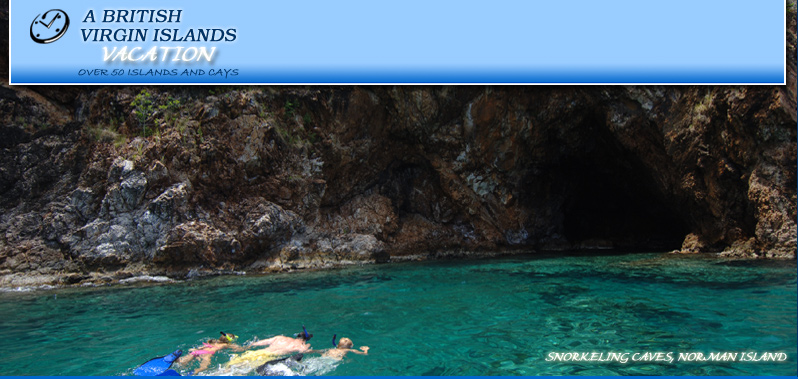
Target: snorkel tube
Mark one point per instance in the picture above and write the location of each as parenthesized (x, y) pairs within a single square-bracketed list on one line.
[(229, 336), (304, 335), (334, 344)]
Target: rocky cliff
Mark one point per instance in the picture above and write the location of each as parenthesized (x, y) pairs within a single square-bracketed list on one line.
[(102, 183)]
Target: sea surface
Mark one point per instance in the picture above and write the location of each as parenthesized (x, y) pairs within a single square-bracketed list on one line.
[(504, 316)]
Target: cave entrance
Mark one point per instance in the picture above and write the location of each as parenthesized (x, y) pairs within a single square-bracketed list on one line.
[(611, 198), (613, 204)]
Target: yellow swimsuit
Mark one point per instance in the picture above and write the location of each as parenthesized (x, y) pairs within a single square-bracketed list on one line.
[(252, 358)]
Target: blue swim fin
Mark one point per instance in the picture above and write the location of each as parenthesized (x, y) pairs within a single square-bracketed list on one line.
[(158, 366), (169, 373)]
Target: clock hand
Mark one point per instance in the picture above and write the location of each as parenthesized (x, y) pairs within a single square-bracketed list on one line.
[(51, 23)]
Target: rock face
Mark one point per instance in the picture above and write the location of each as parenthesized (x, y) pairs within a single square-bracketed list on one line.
[(223, 179)]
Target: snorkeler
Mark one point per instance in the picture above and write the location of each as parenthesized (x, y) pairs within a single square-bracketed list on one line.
[(341, 348), (208, 349), (275, 347), (281, 345)]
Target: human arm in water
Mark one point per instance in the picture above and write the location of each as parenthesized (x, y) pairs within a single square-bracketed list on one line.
[(235, 347), (338, 352), (364, 350)]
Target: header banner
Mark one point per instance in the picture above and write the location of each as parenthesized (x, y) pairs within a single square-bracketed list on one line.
[(397, 42)]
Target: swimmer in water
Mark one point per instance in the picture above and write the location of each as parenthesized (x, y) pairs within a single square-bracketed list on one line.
[(341, 348), (208, 349), (275, 347), (282, 345)]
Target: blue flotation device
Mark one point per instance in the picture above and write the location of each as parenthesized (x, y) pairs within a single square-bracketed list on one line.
[(159, 366)]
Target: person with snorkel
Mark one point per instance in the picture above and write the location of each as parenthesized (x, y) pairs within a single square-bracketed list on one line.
[(340, 349), (281, 345), (275, 347), (208, 349)]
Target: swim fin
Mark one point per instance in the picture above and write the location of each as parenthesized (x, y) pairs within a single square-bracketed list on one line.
[(158, 366)]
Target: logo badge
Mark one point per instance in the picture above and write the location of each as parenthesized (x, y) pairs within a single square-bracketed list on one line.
[(49, 27)]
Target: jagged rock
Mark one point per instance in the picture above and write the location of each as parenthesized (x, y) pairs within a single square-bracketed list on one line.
[(775, 228), (516, 237), (372, 215), (126, 195), (741, 249), (120, 169), (693, 244), (268, 226), (352, 248), (109, 255), (195, 243), (36, 257), (157, 173), (415, 235), (359, 247), (83, 202), (171, 203)]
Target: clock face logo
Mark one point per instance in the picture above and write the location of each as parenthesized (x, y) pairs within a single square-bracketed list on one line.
[(49, 27)]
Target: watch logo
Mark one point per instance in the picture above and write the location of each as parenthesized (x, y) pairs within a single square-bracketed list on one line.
[(49, 27)]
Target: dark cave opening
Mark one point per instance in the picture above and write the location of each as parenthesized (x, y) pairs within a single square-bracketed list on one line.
[(616, 203), (610, 198)]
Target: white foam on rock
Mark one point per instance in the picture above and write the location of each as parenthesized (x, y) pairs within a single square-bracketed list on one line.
[(146, 279)]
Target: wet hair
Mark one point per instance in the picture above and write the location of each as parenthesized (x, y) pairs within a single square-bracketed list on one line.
[(303, 335), (227, 337), (345, 343)]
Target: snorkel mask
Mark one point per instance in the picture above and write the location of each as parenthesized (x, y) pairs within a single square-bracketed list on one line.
[(229, 336), (304, 335)]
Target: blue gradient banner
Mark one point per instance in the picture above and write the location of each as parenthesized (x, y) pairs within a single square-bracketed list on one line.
[(408, 41)]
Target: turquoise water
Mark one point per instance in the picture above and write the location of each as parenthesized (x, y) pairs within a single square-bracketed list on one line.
[(476, 317)]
